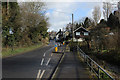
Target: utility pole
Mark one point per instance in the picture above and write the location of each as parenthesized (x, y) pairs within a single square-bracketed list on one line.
[(72, 27)]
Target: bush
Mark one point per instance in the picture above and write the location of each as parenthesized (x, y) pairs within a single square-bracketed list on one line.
[(73, 46)]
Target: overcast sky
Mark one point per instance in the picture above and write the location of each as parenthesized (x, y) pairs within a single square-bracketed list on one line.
[(58, 20)]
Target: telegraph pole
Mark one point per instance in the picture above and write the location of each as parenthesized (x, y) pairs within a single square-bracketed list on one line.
[(72, 27)]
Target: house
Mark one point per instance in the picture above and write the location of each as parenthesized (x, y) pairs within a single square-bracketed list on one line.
[(52, 35), (80, 34), (59, 36)]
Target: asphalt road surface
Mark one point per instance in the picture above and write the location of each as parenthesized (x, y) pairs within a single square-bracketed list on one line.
[(32, 65), (40, 63)]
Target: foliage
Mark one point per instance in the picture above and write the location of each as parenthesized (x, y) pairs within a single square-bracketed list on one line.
[(113, 21), (87, 23), (23, 24), (8, 52), (104, 40)]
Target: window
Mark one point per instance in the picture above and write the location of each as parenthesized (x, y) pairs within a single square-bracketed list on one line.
[(77, 33), (86, 33)]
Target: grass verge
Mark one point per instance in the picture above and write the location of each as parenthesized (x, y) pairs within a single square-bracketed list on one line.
[(9, 52)]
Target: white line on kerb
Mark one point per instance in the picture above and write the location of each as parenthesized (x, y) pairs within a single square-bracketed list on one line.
[(42, 61), (42, 74), (38, 74), (48, 61)]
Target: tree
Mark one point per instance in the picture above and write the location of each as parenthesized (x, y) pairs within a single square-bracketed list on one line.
[(33, 7), (113, 21), (96, 14), (107, 7), (8, 22), (87, 23), (34, 21), (27, 22)]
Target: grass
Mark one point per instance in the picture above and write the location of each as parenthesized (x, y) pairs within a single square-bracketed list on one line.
[(9, 52)]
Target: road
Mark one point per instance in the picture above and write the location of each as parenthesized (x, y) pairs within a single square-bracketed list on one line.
[(35, 64), (40, 63)]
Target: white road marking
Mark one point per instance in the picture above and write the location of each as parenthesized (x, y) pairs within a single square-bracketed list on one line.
[(47, 51), (42, 61), (51, 54), (51, 48), (38, 74), (48, 61), (44, 54), (42, 74)]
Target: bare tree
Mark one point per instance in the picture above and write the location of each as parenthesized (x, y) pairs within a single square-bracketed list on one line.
[(32, 13), (33, 7), (96, 14), (107, 7)]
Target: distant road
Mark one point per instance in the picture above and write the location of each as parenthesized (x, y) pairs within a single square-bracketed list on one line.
[(34, 64)]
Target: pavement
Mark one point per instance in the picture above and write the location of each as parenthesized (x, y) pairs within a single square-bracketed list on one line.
[(71, 68)]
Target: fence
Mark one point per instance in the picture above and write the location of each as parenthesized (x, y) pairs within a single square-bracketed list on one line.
[(99, 71)]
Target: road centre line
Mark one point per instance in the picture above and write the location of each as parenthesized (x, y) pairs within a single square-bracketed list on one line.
[(47, 51), (42, 61), (44, 54), (48, 61), (38, 74), (50, 48), (42, 74)]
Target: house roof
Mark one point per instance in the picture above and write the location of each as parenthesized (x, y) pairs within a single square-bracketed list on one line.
[(82, 28), (58, 32)]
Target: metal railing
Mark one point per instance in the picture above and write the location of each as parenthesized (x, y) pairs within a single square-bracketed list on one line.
[(98, 70)]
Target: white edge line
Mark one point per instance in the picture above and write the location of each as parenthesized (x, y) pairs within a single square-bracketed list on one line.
[(48, 61), (42, 61), (42, 74)]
